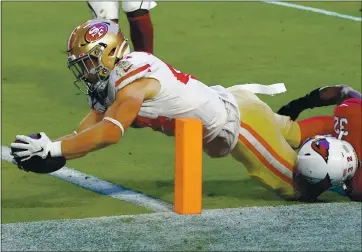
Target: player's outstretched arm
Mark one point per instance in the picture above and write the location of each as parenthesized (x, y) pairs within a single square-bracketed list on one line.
[(116, 121), (319, 97), (89, 120)]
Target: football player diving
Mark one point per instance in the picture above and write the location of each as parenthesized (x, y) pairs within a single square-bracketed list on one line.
[(137, 89)]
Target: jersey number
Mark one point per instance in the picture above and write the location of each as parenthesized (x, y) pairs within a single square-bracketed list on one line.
[(339, 125), (183, 78)]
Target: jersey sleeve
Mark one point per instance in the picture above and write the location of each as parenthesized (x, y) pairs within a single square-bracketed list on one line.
[(134, 66), (318, 125)]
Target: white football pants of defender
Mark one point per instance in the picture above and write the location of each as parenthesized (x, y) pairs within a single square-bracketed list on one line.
[(110, 10), (263, 147)]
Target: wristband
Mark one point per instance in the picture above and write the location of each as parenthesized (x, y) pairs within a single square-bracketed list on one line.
[(55, 149)]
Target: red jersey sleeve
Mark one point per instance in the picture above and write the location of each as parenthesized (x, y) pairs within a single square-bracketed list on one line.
[(318, 125)]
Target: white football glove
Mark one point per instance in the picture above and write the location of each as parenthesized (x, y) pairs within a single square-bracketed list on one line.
[(32, 147)]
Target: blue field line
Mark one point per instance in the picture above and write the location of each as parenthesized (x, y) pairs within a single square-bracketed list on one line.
[(103, 187)]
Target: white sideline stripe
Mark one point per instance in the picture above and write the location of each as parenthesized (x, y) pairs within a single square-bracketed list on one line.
[(265, 153), (102, 187), (316, 10)]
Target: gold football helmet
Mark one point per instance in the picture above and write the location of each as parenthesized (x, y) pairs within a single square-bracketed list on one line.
[(94, 48)]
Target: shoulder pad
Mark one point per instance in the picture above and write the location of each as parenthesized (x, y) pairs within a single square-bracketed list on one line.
[(134, 66)]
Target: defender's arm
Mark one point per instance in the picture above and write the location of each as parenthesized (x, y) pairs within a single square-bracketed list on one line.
[(319, 97)]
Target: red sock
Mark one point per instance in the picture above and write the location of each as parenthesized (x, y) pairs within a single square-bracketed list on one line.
[(141, 30)]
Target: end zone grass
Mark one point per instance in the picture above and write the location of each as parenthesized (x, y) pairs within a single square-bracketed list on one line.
[(313, 227), (35, 197)]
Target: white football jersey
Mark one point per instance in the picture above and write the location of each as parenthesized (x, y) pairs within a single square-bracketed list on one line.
[(180, 96)]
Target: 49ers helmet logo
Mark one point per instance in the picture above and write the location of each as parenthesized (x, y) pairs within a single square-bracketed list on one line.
[(96, 32)]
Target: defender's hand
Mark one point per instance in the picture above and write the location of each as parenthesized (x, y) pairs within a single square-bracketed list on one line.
[(288, 110)]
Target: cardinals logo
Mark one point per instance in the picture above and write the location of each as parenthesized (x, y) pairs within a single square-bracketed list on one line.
[(321, 146)]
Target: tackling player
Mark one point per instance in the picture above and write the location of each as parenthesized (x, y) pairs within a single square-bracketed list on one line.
[(139, 19), (136, 89), (344, 124)]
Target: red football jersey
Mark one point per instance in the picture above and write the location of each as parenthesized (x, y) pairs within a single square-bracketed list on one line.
[(347, 118)]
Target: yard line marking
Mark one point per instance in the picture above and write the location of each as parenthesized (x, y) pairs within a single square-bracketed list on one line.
[(102, 187), (316, 10)]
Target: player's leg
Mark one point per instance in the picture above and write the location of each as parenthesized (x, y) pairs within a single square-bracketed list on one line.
[(107, 10), (290, 130), (141, 28), (296, 132), (262, 148)]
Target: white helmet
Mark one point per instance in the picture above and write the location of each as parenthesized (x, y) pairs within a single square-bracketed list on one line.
[(320, 156)]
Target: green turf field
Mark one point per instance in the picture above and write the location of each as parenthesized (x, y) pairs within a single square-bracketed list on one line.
[(219, 43)]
